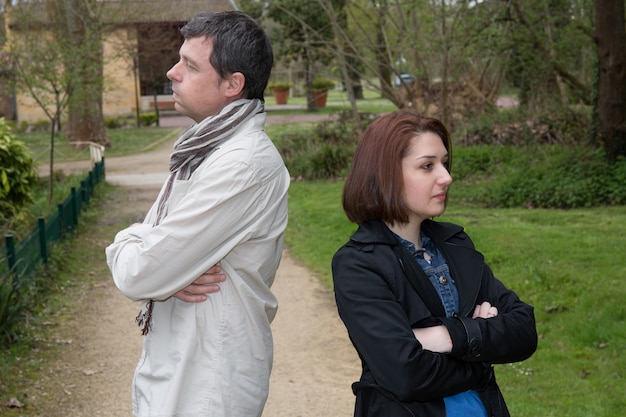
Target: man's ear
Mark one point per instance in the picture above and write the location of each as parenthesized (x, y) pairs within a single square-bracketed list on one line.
[(236, 82)]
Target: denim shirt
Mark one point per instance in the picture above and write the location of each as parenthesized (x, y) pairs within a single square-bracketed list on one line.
[(464, 404)]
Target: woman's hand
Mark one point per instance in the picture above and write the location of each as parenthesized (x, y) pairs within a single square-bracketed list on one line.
[(206, 283), (437, 338), (485, 311)]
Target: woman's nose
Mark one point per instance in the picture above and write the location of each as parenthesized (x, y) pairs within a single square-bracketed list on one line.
[(445, 177)]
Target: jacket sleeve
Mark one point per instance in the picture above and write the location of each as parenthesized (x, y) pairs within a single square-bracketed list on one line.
[(214, 213), (509, 337), (381, 333)]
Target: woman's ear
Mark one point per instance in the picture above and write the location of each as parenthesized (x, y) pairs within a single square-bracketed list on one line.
[(236, 82)]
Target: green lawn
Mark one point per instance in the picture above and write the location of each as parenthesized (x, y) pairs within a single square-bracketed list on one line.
[(567, 264), (124, 141)]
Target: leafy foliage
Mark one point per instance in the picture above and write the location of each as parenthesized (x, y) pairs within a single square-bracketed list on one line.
[(568, 178), (511, 162), (323, 153), (17, 172)]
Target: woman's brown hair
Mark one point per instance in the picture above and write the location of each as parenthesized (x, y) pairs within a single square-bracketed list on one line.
[(374, 185)]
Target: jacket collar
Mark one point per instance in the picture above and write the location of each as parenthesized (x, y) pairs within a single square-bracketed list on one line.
[(376, 231), (464, 262)]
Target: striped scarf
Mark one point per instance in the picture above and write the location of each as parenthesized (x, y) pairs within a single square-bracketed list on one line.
[(190, 150)]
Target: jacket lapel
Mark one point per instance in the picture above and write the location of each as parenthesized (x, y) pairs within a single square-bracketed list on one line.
[(465, 263), (420, 282)]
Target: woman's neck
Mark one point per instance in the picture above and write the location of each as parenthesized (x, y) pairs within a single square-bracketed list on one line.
[(407, 231)]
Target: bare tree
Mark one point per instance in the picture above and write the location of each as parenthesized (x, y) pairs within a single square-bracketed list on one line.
[(78, 25), (420, 56), (39, 64)]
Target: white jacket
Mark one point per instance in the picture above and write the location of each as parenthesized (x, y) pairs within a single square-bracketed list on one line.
[(211, 358)]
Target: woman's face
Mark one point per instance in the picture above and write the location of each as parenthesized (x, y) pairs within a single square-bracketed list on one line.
[(426, 177)]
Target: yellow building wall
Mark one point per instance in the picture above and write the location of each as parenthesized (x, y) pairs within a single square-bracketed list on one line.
[(121, 86)]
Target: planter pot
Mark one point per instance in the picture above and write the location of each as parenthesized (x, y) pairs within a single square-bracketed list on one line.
[(320, 97), (281, 95)]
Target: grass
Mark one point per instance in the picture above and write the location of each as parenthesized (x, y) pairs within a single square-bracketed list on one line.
[(567, 264), (60, 296), (123, 142)]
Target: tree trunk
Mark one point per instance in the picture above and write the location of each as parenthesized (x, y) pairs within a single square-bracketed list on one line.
[(611, 107), (82, 31), (382, 58), (308, 75)]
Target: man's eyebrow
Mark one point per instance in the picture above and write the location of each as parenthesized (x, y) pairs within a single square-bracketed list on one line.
[(188, 60)]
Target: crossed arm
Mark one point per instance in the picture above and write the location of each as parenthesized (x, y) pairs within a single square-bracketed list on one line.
[(437, 338), (205, 284)]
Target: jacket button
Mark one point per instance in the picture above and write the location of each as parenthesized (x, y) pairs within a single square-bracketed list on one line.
[(443, 280), (475, 351)]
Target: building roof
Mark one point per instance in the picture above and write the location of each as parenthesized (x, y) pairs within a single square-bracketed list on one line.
[(143, 11), (131, 11)]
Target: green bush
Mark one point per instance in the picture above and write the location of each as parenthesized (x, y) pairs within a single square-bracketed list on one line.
[(40, 126), (523, 172), (18, 176), (559, 178), (324, 153), (113, 122), (321, 83), (148, 119)]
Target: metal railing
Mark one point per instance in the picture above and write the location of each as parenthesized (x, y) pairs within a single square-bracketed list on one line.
[(23, 257)]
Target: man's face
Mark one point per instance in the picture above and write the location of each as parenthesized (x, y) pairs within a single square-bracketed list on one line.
[(198, 91)]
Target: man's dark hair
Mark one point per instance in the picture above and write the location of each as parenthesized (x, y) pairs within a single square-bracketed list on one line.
[(239, 45)]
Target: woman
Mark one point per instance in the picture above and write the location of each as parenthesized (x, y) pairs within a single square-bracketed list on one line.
[(423, 310)]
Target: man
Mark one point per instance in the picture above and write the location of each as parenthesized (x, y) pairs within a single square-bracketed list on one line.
[(224, 204)]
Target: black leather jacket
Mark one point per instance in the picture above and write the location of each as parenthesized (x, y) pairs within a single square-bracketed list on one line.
[(382, 293)]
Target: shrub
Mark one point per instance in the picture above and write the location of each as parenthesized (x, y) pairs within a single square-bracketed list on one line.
[(324, 153), (40, 126), (321, 83), (280, 85), (566, 127), (18, 176), (562, 178), (113, 122), (148, 119)]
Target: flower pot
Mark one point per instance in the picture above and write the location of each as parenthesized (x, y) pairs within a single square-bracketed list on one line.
[(320, 97), (281, 95)]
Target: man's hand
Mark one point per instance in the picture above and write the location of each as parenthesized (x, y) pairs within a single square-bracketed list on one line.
[(207, 283)]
